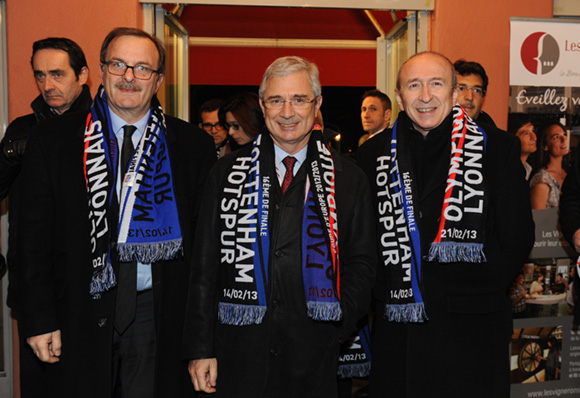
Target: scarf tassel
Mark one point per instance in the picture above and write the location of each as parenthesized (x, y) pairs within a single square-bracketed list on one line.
[(358, 370), (149, 252), (324, 311), (102, 281), (411, 312), (452, 252), (240, 315)]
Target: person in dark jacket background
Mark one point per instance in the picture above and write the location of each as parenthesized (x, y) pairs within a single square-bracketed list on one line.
[(61, 72)]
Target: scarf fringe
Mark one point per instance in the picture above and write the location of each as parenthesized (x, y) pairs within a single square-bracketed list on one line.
[(452, 252), (102, 281), (324, 311), (149, 252), (240, 315), (410, 312), (358, 370)]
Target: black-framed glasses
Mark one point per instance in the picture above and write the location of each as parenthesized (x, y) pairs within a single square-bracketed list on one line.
[(476, 90), (209, 127), (119, 68), (232, 125), (298, 103)]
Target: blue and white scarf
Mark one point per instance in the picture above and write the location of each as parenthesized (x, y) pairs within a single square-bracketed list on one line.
[(245, 235), (460, 233), (148, 227)]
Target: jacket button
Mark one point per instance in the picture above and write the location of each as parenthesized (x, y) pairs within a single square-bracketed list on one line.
[(275, 303), (102, 322), (279, 253), (273, 352)]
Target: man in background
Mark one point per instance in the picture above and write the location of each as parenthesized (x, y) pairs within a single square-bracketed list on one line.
[(471, 89), (61, 72), (375, 114), (210, 122)]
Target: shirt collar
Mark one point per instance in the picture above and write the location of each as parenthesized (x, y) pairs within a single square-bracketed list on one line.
[(281, 154), (117, 123)]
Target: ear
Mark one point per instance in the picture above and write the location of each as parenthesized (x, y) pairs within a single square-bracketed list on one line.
[(455, 95), (263, 107), (159, 81), (399, 99), (83, 75), (318, 104), (387, 116)]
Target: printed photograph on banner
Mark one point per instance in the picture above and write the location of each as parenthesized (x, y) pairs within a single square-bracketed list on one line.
[(536, 354), (543, 288)]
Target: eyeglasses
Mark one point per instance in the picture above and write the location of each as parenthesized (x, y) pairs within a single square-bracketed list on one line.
[(298, 103), (231, 125), (477, 91), (119, 68), (208, 126)]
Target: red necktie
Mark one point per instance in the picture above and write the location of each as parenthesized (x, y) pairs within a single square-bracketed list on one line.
[(289, 163)]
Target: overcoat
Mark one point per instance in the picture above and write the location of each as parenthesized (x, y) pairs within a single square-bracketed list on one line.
[(462, 349), (288, 354), (56, 267)]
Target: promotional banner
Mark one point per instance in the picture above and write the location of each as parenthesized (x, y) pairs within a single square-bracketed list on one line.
[(545, 94)]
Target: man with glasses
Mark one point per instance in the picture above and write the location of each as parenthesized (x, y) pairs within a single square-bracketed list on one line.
[(285, 259), (471, 89), (109, 211), (210, 122)]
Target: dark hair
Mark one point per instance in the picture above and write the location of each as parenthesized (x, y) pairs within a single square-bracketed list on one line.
[(380, 95), (544, 156), (516, 121), (76, 57), (210, 105), (465, 68), (118, 32), (246, 109)]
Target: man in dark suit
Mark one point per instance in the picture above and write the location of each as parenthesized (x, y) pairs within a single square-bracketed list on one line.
[(109, 213), (454, 226), (285, 266), (60, 70)]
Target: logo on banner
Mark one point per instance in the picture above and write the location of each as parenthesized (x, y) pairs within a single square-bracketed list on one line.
[(540, 53)]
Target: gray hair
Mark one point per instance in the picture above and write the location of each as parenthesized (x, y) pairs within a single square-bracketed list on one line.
[(285, 66)]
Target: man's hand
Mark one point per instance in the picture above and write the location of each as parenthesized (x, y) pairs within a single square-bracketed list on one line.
[(47, 347), (203, 374), (577, 240)]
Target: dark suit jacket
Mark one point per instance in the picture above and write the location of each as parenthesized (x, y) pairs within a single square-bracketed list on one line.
[(288, 354), (462, 350), (56, 268)]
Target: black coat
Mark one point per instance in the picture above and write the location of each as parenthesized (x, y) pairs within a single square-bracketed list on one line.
[(288, 354), (570, 217), (56, 267), (462, 349)]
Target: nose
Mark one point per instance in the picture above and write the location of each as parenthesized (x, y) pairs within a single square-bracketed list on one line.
[(129, 75), (425, 95), (468, 94), (533, 137), (287, 110), (48, 84)]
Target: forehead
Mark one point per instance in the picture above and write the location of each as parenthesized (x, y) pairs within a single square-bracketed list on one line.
[(134, 49), (426, 67), (525, 127), (51, 59), (209, 116), (470, 80), (369, 101), (297, 83), (555, 129)]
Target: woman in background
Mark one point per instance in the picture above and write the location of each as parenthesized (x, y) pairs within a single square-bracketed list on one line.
[(546, 183), (242, 117)]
